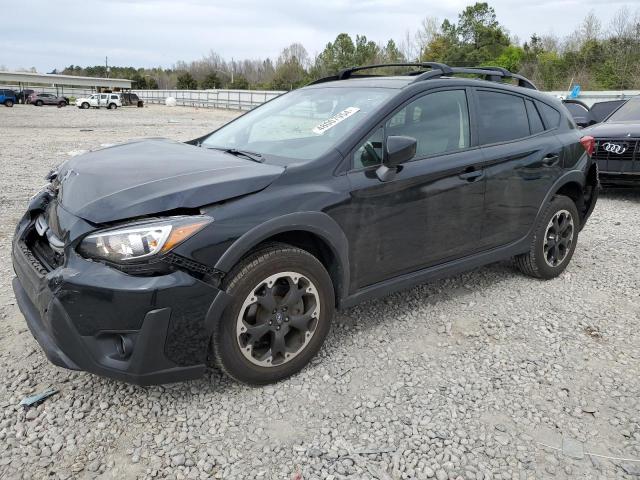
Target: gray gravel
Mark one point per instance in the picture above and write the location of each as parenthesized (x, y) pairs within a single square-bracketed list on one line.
[(487, 375)]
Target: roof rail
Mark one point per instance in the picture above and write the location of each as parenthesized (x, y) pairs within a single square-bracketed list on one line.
[(436, 70), (347, 72), (492, 74)]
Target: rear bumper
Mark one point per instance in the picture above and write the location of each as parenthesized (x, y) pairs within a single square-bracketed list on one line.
[(142, 330)]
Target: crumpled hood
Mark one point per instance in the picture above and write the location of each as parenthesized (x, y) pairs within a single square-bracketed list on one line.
[(613, 130), (152, 176)]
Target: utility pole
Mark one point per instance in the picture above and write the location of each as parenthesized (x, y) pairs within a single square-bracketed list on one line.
[(106, 65)]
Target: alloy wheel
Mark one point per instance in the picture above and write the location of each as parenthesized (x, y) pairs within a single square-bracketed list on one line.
[(278, 319), (558, 238)]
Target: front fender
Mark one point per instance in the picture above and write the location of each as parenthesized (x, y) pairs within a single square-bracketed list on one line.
[(316, 223)]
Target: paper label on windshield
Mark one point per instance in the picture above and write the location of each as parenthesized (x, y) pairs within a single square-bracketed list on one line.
[(336, 119)]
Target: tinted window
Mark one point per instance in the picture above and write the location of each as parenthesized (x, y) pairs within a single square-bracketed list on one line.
[(370, 151), (629, 112), (438, 121), (550, 115), (114, 97), (535, 122), (503, 117)]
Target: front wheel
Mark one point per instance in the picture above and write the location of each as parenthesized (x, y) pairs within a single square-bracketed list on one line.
[(84, 105), (112, 106), (62, 104), (8, 103), (554, 240), (279, 316), (39, 103)]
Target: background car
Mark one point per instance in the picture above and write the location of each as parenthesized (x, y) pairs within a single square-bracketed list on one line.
[(7, 97), (617, 148), (23, 95), (40, 99), (586, 116), (97, 100), (130, 99)]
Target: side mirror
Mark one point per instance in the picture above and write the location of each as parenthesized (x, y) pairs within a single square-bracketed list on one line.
[(400, 149)]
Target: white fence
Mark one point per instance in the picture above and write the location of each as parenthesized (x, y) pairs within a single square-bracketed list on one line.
[(230, 99), (248, 99)]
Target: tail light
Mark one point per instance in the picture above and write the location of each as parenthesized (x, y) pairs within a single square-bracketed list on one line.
[(589, 144)]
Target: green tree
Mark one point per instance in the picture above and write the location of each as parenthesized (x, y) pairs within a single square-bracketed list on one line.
[(186, 82), (211, 80)]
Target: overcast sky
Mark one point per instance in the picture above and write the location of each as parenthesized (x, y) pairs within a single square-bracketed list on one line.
[(56, 33)]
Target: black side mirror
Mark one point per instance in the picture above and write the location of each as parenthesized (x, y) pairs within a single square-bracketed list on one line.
[(400, 149)]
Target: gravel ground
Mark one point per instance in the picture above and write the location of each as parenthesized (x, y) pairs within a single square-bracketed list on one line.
[(487, 375)]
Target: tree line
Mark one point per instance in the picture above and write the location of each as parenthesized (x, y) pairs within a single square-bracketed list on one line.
[(594, 56)]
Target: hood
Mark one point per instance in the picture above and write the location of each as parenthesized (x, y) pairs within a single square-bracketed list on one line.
[(613, 130), (153, 176)]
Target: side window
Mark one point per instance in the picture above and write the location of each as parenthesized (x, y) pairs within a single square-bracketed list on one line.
[(535, 122), (550, 115), (103, 97), (114, 97), (503, 117), (439, 121), (370, 152)]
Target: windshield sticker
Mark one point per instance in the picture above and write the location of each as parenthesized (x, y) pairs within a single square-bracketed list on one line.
[(336, 119)]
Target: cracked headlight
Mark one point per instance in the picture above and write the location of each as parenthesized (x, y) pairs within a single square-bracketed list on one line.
[(141, 240)]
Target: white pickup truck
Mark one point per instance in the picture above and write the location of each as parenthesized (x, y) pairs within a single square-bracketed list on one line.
[(97, 100)]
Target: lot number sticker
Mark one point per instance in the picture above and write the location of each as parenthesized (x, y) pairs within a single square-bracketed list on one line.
[(336, 119)]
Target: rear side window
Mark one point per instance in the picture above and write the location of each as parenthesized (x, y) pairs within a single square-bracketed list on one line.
[(114, 97), (503, 117), (535, 122), (550, 115)]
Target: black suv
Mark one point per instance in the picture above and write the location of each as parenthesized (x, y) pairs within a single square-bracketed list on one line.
[(130, 99), (617, 149), (150, 260)]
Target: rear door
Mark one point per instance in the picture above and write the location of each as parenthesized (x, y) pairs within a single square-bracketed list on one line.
[(523, 160), (432, 210)]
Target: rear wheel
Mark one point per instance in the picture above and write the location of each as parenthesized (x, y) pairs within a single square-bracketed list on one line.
[(279, 316), (8, 103), (62, 104), (554, 240), (112, 106)]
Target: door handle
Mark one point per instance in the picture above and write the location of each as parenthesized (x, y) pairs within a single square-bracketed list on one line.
[(551, 160), (471, 174)]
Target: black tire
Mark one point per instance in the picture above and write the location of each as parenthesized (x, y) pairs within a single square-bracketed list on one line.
[(267, 262), (540, 261), (39, 103), (84, 105), (8, 103), (112, 106), (62, 104)]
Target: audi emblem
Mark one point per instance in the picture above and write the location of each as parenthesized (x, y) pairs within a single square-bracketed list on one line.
[(614, 148)]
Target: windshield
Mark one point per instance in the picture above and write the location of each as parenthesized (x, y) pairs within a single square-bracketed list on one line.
[(629, 112), (302, 125)]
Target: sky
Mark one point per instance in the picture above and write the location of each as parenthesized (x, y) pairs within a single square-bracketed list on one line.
[(145, 33)]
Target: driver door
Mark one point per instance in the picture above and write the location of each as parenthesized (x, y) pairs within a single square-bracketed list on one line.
[(432, 210)]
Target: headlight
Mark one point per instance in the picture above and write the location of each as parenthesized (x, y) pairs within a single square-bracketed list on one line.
[(141, 240)]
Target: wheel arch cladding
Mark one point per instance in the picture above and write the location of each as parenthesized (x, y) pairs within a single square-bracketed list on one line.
[(314, 232)]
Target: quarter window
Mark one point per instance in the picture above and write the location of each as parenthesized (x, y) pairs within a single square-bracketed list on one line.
[(550, 115), (503, 117), (535, 122), (438, 121)]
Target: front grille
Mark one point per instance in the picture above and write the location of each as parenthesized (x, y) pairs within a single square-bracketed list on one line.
[(609, 161)]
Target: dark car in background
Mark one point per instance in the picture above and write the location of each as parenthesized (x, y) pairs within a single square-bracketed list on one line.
[(23, 95), (617, 149), (586, 116), (40, 99), (150, 260), (7, 97), (130, 99)]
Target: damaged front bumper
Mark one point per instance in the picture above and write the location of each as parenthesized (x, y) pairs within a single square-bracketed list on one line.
[(138, 329)]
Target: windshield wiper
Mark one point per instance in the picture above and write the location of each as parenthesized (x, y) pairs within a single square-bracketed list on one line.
[(253, 156)]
